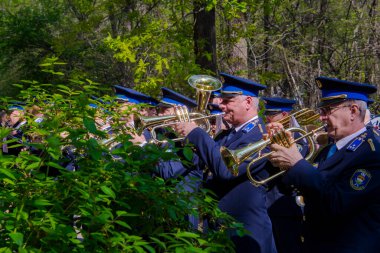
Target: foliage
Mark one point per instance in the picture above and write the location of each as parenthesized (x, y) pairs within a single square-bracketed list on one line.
[(111, 202), (149, 44)]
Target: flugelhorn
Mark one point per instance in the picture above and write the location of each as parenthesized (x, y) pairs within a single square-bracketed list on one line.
[(234, 158)]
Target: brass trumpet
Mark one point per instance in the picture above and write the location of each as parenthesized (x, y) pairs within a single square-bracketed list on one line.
[(303, 117), (204, 85), (182, 115), (234, 158)]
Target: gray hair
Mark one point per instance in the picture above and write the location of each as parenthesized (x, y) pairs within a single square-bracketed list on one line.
[(362, 105), (254, 99)]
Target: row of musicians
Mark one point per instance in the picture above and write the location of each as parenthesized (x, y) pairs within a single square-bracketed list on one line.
[(340, 188), (340, 192)]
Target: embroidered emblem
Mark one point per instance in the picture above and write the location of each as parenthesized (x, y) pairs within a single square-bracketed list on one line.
[(300, 148), (359, 180), (355, 144), (249, 127)]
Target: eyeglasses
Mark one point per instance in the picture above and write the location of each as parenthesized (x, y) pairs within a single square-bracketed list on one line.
[(328, 110)]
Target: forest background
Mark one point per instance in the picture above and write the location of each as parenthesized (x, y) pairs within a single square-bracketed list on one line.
[(149, 44), (57, 53)]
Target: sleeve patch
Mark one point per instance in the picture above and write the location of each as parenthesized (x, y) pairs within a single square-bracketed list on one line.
[(359, 180)]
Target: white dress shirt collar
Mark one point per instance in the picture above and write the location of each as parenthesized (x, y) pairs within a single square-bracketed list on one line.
[(343, 142), (245, 123)]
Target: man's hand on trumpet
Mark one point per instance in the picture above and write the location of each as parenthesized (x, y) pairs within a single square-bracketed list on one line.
[(184, 128), (282, 157)]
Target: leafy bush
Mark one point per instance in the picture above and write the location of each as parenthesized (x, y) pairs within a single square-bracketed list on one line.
[(111, 202)]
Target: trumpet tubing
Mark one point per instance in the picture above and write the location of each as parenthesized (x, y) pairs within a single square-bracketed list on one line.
[(234, 158), (304, 116)]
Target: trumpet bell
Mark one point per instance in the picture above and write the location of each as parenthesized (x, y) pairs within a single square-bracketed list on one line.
[(234, 158), (204, 85)]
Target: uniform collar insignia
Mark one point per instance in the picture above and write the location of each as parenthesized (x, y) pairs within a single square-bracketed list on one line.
[(251, 125), (359, 180), (355, 144)]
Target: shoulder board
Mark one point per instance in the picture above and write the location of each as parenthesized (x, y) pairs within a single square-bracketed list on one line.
[(357, 142)]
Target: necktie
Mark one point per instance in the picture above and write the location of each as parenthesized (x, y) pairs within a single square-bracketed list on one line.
[(332, 151)]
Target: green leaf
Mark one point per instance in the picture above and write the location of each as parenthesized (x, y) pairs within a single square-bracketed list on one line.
[(89, 123), (8, 173), (41, 202), (5, 250), (108, 191), (55, 165), (187, 234), (188, 153), (17, 238), (33, 166), (123, 224)]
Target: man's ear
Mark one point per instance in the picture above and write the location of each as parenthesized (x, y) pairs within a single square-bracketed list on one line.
[(249, 102)]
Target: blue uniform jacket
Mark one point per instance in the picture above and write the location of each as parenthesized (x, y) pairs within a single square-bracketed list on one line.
[(237, 196), (342, 197)]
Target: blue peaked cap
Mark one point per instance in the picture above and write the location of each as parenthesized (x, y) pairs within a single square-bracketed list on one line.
[(133, 96), (370, 101), (172, 98), (234, 85), (278, 104), (16, 105), (335, 90), (214, 108), (215, 94)]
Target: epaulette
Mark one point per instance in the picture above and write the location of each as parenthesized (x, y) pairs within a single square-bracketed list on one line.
[(261, 129), (371, 144), (357, 142)]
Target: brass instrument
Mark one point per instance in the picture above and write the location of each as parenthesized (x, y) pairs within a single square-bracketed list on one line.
[(181, 115), (204, 85), (303, 117), (233, 158)]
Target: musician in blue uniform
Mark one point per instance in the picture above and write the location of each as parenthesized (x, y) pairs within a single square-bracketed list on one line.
[(237, 196), (174, 168), (133, 97), (342, 188), (283, 208), (189, 177), (16, 121)]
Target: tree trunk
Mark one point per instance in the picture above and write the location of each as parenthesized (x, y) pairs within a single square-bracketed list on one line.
[(204, 37)]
